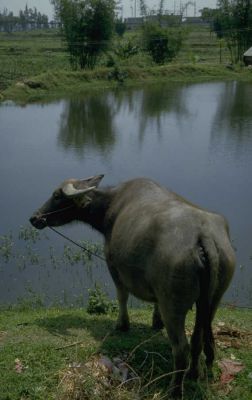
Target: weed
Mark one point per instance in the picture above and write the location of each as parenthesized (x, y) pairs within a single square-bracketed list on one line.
[(73, 256), (117, 74), (6, 246), (30, 301), (20, 255), (27, 233), (98, 301), (126, 49)]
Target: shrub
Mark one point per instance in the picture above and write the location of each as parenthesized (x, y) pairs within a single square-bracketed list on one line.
[(162, 44), (87, 27), (126, 49), (120, 27), (98, 301)]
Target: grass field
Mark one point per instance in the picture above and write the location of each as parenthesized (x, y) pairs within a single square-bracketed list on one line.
[(56, 353), (26, 54), (201, 45), (34, 65)]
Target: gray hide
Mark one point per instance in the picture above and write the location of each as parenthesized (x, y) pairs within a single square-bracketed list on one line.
[(159, 247)]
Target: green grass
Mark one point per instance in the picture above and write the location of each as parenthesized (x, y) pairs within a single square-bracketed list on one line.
[(34, 66), (25, 54), (203, 46), (53, 345), (61, 83)]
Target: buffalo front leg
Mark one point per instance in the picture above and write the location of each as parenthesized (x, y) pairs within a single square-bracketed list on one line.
[(122, 323), (157, 322), (123, 317)]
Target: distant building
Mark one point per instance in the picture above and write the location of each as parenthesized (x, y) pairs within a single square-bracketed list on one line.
[(133, 22), (194, 20), (247, 57), (165, 21)]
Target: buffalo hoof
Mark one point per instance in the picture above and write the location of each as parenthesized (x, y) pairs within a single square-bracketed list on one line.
[(175, 393), (209, 374), (192, 374)]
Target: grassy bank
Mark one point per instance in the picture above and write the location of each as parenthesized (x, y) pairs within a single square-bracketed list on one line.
[(35, 66), (56, 354), (55, 84)]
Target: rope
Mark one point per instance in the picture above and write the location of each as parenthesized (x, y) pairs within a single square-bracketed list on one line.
[(103, 259), (91, 253)]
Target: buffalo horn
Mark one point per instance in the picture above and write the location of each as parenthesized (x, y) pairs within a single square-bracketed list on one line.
[(70, 191)]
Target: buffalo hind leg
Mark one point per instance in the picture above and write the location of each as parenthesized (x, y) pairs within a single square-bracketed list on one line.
[(209, 345), (209, 348), (196, 343), (174, 322)]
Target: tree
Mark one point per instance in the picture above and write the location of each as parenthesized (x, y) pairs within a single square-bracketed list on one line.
[(208, 14), (143, 8), (233, 22), (87, 27), (120, 27), (161, 43), (27, 19)]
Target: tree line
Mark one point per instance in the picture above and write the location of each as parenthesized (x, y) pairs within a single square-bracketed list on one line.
[(232, 22), (29, 18), (88, 27)]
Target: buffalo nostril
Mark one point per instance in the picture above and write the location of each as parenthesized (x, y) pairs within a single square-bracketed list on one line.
[(33, 220), (38, 222)]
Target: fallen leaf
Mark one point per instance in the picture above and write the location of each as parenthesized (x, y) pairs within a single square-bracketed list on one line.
[(229, 368), (106, 362), (2, 334)]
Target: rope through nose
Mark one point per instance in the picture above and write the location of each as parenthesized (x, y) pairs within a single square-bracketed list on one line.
[(91, 253)]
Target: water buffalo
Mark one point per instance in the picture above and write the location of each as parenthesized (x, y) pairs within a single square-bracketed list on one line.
[(159, 247)]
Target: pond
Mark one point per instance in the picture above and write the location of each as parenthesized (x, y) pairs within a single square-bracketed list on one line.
[(195, 139)]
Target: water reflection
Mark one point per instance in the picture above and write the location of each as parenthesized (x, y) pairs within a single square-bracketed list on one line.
[(157, 102), (233, 116), (87, 122), (91, 121)]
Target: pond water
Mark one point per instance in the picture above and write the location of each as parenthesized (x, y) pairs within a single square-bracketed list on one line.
[(195, 139)]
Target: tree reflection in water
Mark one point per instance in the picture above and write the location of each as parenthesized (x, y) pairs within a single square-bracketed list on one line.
[(232, 121), (157, 101), (88, 122)]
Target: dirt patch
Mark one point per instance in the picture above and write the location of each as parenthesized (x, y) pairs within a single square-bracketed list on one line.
[(230, 336)]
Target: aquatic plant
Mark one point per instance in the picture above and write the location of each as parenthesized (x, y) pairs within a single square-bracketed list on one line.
[(6, 246)]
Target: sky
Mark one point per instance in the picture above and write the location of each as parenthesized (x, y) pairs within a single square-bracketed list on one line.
[(45, 7)]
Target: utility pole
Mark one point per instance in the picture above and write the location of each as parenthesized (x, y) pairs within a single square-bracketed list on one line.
[(133, 8)]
